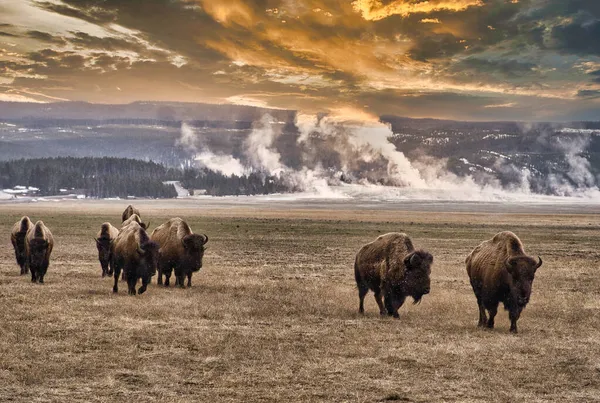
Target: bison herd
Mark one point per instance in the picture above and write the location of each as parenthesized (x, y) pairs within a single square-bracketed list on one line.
[(499, 269)]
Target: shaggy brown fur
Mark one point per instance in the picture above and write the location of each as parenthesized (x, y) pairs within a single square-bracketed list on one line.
[(134, 218), (129, 211), (500, 271), (391, 265), (104, 238), (180, 249), (39, 244), (17, 237), (137, 255)]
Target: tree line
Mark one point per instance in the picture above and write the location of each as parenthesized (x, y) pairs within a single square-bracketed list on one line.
[(122, 177)]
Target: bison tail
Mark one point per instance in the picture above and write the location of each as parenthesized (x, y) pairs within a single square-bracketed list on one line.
[(24, 224), (357, 275)]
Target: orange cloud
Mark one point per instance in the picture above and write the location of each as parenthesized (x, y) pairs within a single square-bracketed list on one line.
[(374, 10)]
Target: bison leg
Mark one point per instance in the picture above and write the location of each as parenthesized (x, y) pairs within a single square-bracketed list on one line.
[(159, 272), (482, 315), (22, 264), (514, 316), (389, 306), (111, 266), (145, 282), (179, 276), (362, 291), (493, 311), (33, 276), (117, 274), (189, 277), (167, 273), (131, 281)]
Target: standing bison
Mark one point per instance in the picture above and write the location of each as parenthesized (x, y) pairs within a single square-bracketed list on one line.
[(500, 271), (38, 246), (129, 211), (391, 265), (180, 249), (104, 240), (135, 218), (17, 237), (137, 255)]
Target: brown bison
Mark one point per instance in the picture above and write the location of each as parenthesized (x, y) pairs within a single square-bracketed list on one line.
[(135, 218), (137, 255), (38, 246), (17, 237), (391, 265), (129, 211), (104, 240), (500, 271), (180, 249)]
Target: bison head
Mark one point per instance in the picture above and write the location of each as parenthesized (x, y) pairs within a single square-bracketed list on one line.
[(148, 252), (416, 282), (104, 251), (193, 245), (522, 271), (38, 248)]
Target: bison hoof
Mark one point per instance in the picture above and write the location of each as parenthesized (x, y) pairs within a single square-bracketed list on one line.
[(141, 290), (115, 289)]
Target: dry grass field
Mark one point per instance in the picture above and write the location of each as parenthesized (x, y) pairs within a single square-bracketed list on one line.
[(272, 316)]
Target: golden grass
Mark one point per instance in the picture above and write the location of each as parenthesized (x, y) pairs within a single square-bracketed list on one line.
[(273, 314)]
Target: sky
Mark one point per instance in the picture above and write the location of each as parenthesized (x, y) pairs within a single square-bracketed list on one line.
[(529, 60)]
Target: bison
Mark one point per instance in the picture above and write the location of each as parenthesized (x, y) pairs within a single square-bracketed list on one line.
[(129, 211), (17, 237), (500, 271), (104, 240), (137, 255), (391, 265), (180, 249), (135, 218), (38, 246)]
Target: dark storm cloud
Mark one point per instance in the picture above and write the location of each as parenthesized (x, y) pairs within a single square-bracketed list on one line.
[(465, 57), (87, 41), (92, 11), (588, 93), (508, 68), (46, 37)]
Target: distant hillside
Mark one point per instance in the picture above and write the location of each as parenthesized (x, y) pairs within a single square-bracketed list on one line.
[(549, 158), (166, 111)]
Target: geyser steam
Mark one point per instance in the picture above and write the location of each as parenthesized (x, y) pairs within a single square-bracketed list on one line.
[(335, 156)]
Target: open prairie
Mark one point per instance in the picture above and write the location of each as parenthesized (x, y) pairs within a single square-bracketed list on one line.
[(272, 316)]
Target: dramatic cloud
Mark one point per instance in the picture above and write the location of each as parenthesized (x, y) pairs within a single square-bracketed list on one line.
[(463, 59)]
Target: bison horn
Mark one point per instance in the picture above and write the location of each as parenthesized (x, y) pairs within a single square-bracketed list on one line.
[(414, 259), (205, 238), (140, 250), (539, 263)]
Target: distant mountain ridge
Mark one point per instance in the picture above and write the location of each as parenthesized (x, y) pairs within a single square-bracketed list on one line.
[(167, 111)]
